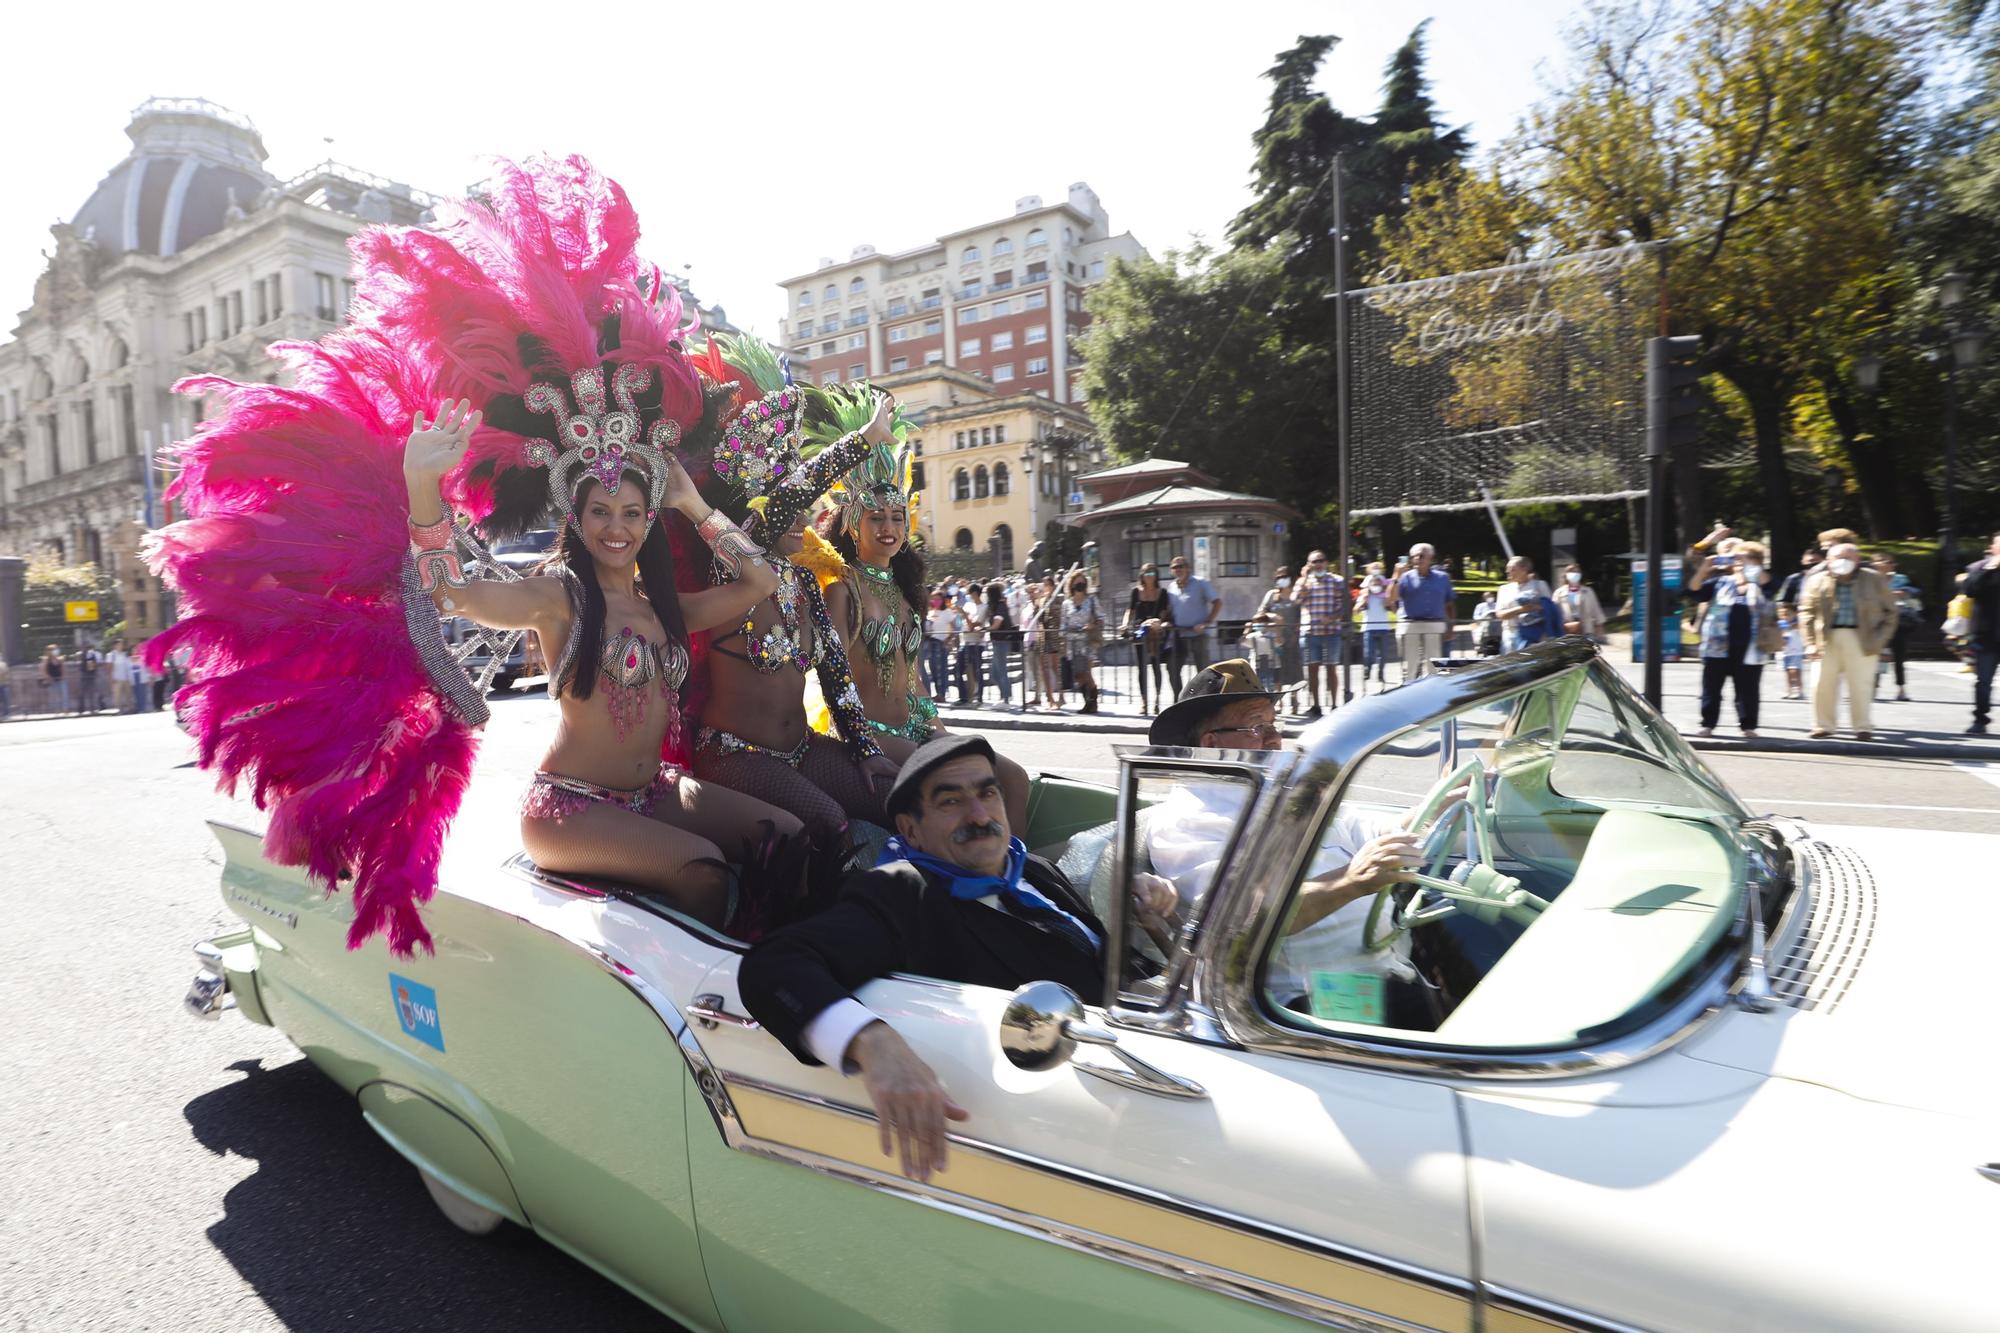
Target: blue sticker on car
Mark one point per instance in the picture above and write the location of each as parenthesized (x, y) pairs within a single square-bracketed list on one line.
[(417, 1010)]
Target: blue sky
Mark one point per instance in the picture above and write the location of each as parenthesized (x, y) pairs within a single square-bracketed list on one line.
[(754, 139)]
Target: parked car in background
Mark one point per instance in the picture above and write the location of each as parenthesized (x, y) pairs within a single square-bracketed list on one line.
[(519, 555), (1627, 1056)]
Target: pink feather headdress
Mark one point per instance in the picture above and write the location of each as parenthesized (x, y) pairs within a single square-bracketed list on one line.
[(305, 680)]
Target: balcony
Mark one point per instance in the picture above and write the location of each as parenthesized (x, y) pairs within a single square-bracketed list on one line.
[(898, 309), (930, 303), (968, 292), (127, 468), (999, 287), (1033, 276), (856, 320)]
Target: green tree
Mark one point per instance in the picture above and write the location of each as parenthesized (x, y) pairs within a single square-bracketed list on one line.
[(1225, 358), (1770, 144)]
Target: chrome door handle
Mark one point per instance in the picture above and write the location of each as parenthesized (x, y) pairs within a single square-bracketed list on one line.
[(1141, 1075), (708, 1010)]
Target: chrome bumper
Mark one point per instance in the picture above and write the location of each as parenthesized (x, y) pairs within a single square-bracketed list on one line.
[(208, 995)]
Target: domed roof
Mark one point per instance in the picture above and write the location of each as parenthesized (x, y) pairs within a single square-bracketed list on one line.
[(191, 161)]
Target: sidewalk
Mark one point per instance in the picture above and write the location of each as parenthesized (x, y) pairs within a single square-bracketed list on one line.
[(1931, 726)]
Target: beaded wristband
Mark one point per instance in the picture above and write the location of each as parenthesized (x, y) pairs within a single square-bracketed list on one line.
[(432, 536)]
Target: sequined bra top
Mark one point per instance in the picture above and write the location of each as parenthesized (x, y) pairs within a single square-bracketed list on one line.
[(628, 658)]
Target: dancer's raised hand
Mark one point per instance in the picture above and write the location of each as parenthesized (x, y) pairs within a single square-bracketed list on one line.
[(435, 449), (878, 430)]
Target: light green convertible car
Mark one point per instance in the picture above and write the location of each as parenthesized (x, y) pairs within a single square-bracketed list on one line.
[(1623, 1056)]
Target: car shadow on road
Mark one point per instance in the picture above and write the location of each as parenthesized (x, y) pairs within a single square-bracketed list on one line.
[(335, 1230)]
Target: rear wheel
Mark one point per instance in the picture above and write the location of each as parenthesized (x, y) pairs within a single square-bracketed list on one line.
[(472, 1218)]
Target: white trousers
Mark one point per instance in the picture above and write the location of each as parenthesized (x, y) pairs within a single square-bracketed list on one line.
[(1422, 640), (1841, 659)]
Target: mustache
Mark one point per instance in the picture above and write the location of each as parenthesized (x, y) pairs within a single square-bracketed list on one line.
[(992, 828)]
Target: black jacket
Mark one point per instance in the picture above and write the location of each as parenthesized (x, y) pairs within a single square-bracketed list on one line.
[(1982, 585), (896, 918)]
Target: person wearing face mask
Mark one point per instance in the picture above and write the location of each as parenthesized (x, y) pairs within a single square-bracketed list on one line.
[(1582, 613), (1739, 632), (1281, 614), (1847, 614)]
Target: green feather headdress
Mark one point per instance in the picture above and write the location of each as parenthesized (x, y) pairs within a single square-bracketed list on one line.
[(882, 479)]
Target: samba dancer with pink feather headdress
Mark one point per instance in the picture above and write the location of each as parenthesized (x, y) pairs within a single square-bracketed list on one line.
[(512, 363)]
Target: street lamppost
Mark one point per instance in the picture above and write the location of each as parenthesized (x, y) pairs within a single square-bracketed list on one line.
[(1059, 456), (1958, 340)]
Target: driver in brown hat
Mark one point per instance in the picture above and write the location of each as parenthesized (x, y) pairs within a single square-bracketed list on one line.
[(1224, 707)]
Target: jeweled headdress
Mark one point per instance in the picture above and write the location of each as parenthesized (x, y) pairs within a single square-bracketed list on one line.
[(604, 444), (881, 478), (762, 456)]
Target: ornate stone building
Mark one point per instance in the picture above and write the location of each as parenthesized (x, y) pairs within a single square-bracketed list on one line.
[(188, 258)]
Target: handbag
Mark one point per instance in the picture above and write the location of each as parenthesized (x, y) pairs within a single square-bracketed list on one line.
[(1770, 637)]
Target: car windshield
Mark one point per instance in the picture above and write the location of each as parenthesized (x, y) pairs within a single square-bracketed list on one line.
[(1578, 866)]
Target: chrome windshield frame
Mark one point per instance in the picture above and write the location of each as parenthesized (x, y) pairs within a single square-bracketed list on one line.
[(1272, 855)]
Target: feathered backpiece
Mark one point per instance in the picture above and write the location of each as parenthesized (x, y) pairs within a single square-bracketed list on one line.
[(881, 478), (290, 569)]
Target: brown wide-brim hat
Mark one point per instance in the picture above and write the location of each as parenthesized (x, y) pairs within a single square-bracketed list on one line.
[(1212, 690)]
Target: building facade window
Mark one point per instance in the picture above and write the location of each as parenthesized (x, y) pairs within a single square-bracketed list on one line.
[(970, 255), (1038, 333), (933, 326), (858, 286), (968, 291), (982, 483), (986, 434), (1003, 282), (856, 341), (1003, 372), (1237, 557), (901, 333), (856, 371), (898, 308), (1037, 272), (999, 435), (1157, 551), (1038, 365), (934, 357), (1096, 268), (277, 295), (1000, 308), (969, 347), (917, 477), (1003, 246), (323, 296), (1037, 237), (830, 295), (1003, 341), (1035, 301), (961, 485), (805, 300), (1003, 541), (969, 315), (829, 377), (930, 299), (1000, 483), (899, 363), (962, 541)]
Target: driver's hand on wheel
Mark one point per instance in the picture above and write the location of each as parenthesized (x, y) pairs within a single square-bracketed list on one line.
[(911, 1106), (1384, 861)]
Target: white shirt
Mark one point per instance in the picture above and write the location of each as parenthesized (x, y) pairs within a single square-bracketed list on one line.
[(1375, 603), (1185, 837)]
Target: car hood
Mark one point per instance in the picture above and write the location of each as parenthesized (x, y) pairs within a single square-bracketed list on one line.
[(1899, 1007)]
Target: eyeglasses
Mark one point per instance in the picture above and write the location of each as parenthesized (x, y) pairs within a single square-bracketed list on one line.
[(1263, 731)]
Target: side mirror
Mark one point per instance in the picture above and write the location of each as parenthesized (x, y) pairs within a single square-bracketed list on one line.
[(1042, 1024), (1034, 1027)]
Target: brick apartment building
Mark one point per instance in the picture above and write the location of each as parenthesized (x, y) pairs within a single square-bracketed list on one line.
[(1003, 300)]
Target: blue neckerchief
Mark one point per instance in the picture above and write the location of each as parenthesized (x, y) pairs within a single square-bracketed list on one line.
[(1008, 885)]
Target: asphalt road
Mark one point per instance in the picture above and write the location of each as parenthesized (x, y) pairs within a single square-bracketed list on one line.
[(156, 1172)]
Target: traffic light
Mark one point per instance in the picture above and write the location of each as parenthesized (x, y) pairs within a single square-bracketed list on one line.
[(1673, 399)]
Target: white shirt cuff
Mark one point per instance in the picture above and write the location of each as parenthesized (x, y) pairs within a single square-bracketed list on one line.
[(833, 1030)]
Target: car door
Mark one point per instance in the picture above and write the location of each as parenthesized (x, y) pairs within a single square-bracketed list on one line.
[(1278, 1189)]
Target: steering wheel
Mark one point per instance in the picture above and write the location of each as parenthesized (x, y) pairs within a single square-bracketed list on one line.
[(1476, 887)]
